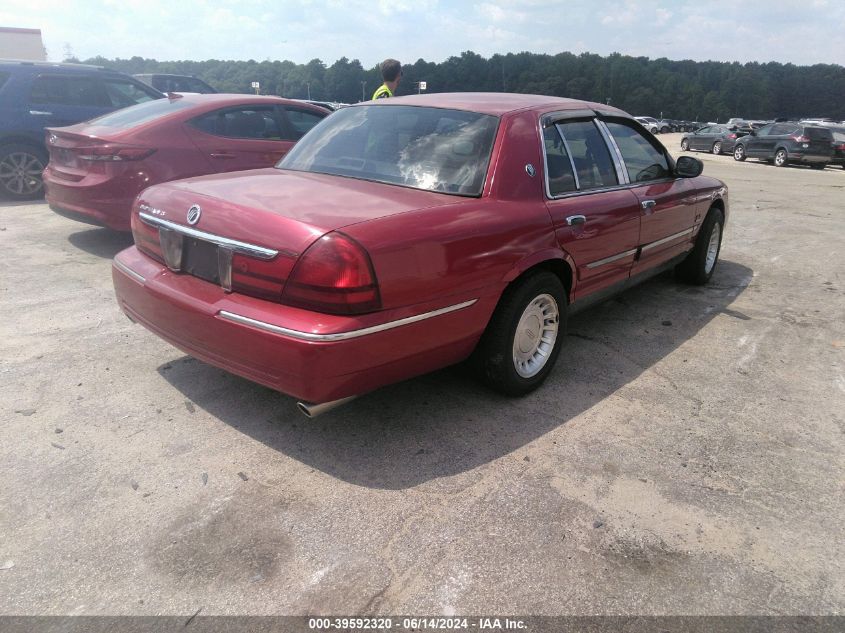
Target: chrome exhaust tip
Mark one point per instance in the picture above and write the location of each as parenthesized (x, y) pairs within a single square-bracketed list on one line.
[(311, 410)]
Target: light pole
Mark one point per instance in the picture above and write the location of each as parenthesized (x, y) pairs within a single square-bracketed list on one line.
[(309, 90), (363, 90)]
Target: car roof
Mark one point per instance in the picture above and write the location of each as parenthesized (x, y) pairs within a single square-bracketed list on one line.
[(494, 103), (35, 65)]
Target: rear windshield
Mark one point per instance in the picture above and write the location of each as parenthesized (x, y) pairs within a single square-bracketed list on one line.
[(141, 113), (818, 133), (424, 148)]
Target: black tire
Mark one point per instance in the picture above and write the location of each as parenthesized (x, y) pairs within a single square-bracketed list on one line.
[(739, 152), (684, 145), (818, 166), (694, 269), (781, 158), (494, 356), (20, 171), (717, 148)]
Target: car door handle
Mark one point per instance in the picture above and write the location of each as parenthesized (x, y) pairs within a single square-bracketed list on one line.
[(648, 205), (222, 155), (40, 113), (572, 220)]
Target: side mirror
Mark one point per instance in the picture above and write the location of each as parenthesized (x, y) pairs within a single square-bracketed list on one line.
[(688, 167)]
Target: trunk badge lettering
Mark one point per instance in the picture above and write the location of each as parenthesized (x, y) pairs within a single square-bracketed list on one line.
[(194, 214)]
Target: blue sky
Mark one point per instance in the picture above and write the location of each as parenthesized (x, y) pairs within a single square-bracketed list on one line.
[(801, 32)]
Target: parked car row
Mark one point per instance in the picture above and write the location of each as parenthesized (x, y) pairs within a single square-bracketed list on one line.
[(782, 143), (665, 126)]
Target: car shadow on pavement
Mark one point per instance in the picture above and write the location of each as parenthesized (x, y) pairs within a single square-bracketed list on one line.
[(100, 242), (445, 423)]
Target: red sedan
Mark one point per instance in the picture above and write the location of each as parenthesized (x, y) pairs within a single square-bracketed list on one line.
[(404, 235), (97, 168)]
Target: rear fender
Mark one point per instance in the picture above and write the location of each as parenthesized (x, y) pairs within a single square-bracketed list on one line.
[(546, 255)]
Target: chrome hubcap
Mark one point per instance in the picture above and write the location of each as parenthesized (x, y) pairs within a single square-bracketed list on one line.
[(20, 173), (712, 248), (535, 335), (739, 152), (717, 148), (780, 157)]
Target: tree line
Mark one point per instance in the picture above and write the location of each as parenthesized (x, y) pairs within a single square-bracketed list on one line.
[(700, 91)]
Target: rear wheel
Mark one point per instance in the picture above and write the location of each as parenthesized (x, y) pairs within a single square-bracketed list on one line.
[(781, 158), (739, 153), (524, 336), (684, 145), (698, 266), (717, 147), (20, 171)]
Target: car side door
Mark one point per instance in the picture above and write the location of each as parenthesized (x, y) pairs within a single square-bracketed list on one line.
[(755, 144), (235, 138), (699, 138), (596, 219), (667, 204), (57, 100)]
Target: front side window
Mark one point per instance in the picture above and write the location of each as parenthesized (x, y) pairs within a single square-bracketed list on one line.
[(123, 94), (643, 160), (424, 148), (248, 123), (590, 155)]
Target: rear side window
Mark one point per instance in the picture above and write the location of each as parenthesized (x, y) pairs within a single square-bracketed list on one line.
[(784, 128), (642, 159), (818, 133), (300, 121), (250, 123), (69, 91), (589, 152), (559, 172), (123, 94), (142, 113)]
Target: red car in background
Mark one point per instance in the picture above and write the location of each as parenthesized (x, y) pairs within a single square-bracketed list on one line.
[(97, 168), (404, 235)]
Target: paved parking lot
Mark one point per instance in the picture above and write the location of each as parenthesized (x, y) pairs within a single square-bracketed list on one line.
[(686, 455)]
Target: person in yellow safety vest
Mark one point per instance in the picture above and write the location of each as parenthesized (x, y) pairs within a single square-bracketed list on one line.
[(391, 72)]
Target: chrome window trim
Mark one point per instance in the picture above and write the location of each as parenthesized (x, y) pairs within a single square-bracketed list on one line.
[(586, 192), (666, 239), (124, 268), (341, 336), (252, 250), (615, 153), (612, 258)]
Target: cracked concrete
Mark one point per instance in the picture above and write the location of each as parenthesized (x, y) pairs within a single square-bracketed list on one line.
[(694, 468)]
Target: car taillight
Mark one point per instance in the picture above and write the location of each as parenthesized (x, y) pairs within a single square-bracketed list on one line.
[(800, 138), (334, 275), (113, 152), (732, 135), (840, 146), (146, 238)]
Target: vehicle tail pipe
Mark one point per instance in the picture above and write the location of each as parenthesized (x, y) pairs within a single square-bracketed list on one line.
[(310, 410)]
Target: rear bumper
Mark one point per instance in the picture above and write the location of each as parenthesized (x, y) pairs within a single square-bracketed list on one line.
[(808, 158), (103, 203), (292, 350)]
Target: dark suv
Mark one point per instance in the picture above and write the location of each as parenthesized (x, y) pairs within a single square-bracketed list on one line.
[(787, 142), (36, 95)]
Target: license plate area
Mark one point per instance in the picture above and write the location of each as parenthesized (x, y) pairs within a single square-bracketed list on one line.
[(199, 258)]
